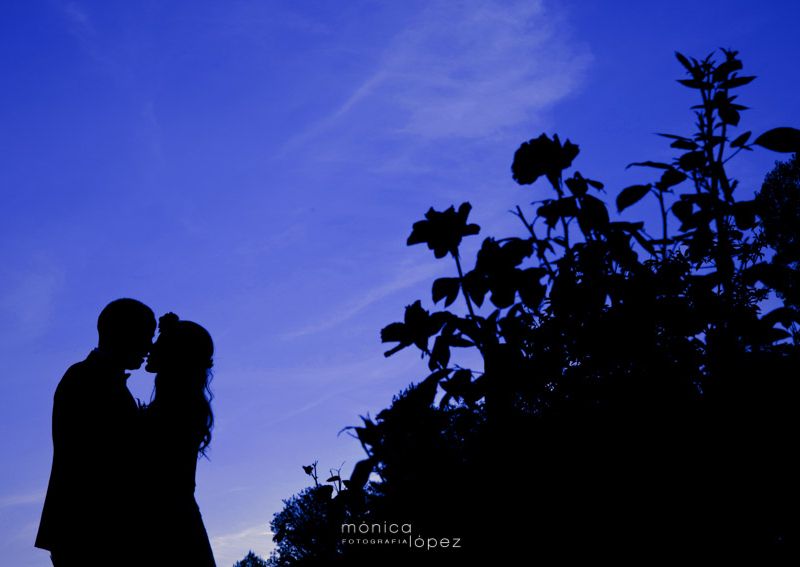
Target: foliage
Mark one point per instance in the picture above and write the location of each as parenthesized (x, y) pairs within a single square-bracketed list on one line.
[(779, 205), (634, 396), (303, 529), (251, 560)]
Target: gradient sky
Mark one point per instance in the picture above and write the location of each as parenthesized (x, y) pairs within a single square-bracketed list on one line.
[(256, 166)]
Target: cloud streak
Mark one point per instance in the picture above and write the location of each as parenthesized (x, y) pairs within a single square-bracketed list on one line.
[(407, 277), (30, 296), (231, 547), (469, 69), (21, 499), (465, 70), (80, 23)]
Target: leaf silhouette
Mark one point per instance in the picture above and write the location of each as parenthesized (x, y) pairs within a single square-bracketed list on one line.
[(741, 140), (670, 178), (654, 164), (784, 139), (684, 61), (631, 195), (446, 288), (736, 82)]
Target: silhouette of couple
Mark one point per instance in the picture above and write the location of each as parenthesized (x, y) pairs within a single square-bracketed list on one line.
[(121, 488)]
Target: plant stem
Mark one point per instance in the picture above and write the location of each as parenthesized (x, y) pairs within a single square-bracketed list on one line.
[(723, 259), (564, 224), (663, 226), (461, 280), (566, 232), (529, 226)]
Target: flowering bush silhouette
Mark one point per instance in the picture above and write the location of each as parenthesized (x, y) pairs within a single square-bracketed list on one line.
[(635, 397)]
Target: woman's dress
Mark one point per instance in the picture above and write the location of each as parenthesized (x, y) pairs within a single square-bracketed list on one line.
[(175, 532)]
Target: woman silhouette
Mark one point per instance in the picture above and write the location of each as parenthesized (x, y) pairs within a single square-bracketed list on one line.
[(177, 427)]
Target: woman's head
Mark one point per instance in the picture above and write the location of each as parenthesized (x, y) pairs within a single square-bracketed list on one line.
[(181, 346), (182, 358)]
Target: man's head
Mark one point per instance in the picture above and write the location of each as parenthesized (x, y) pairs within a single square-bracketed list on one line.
[(126, 328)]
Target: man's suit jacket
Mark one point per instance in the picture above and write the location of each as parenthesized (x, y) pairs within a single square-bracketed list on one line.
[(90, 506)]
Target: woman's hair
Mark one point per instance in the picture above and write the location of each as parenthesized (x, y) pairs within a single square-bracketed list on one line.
[(185, 352)]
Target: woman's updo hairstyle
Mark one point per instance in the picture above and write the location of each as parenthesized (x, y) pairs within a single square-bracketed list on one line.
[(187, 344)]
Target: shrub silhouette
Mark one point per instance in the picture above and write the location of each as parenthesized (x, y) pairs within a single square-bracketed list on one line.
[(251, 560), (636, 395), (779, 202)]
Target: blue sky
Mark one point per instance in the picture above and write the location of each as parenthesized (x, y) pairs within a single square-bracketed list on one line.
[(256, 166)]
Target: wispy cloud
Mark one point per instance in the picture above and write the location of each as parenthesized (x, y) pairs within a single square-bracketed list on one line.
[(113, 53), (78, 19), (315, 129), (79, 22), (152, 126), (313, 385), (466, 69), (21, 499), (118, 56), (405, 277), (28, 298), (473, 67), (231, 547)]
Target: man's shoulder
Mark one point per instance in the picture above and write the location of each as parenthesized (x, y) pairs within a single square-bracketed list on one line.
[(77, 377)]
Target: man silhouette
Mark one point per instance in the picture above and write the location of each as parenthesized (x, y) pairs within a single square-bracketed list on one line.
[(89, 515)]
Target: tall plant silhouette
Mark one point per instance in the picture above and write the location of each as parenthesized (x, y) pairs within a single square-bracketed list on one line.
[(635, 392)]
